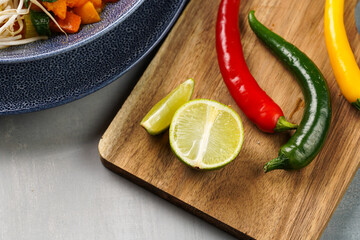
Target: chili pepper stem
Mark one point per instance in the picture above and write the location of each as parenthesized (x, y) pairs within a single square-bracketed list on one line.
[(283, 125), (280, 162), (357, 104)]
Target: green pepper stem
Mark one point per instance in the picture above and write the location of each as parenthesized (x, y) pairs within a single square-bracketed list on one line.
[(281, 162), (283, 125), (357, 104)]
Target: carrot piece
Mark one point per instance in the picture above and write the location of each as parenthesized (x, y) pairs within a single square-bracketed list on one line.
[(70, 24), (97, 3), (75, 3), (58, 8), (88, 13), (100, 9)]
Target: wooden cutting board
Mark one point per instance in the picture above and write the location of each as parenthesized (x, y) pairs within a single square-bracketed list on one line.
[(240, 198)]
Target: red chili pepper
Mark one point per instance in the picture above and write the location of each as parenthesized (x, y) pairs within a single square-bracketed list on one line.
[(251, 99)]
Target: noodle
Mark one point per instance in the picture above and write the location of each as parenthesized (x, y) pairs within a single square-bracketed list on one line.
[(12, 22)]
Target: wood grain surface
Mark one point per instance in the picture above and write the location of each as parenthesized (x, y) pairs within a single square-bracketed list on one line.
[(240, 198)]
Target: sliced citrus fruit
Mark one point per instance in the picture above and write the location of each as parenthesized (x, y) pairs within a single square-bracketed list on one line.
[(159, 117), (206, 134)]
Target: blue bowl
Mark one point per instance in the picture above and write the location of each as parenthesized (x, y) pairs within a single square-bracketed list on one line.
[(49, 73)]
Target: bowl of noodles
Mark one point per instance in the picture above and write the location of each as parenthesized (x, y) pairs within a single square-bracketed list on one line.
[(15, 46), (65, 67)]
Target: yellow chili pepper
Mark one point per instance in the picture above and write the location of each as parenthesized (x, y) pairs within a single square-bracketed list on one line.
[(342, 59)]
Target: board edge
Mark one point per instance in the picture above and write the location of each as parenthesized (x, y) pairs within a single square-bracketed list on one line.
[(174, 200)]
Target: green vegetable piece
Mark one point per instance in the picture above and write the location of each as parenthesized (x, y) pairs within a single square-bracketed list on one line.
[(41, 23)]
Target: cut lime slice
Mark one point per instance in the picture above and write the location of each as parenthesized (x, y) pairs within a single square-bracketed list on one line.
[(206, 134), (159, 117)]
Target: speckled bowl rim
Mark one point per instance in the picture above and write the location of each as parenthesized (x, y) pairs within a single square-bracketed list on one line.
[(74, 45)]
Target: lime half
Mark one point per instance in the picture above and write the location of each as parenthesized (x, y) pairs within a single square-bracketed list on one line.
[(159, 117), (206, 134)]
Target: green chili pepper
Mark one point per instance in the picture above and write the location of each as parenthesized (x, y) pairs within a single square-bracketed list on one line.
[(310, 136), (41, 23)]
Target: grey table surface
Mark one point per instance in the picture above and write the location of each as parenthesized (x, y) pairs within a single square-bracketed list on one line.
[(53, 185)]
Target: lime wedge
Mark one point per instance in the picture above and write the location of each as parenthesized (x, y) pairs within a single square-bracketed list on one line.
[(205, 134), (159, 117)]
